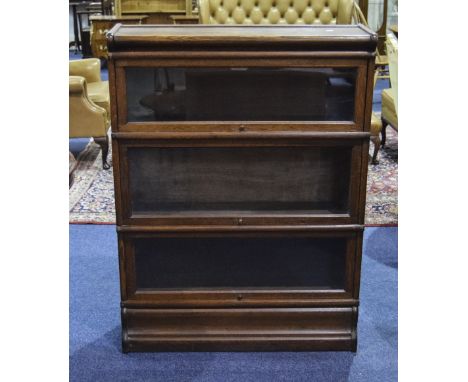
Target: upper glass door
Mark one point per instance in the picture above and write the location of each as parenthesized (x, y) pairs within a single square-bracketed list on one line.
[(176, 94)]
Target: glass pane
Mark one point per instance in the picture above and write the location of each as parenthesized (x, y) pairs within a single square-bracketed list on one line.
[(227, 180), (263, 262), (240, 94)]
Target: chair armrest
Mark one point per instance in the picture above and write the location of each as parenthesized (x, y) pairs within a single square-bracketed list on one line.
[(86, 119), (77, 85), (89, 68)]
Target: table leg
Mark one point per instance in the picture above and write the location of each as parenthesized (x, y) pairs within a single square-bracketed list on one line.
[(75, 30)]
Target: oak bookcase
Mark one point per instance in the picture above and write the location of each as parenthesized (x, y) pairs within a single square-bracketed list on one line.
[(240, 161)]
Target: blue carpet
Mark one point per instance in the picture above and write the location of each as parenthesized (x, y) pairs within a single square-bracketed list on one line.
[(77, 145), (95, 326)]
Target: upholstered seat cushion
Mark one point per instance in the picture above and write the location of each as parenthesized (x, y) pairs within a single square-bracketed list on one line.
[(388, 108), (98, 92)]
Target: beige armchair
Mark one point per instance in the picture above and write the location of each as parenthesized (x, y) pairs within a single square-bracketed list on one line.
[(89, 105), (389, 115), (276, 11), (390, 96)]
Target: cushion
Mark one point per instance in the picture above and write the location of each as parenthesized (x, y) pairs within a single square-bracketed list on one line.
[(98, 92)]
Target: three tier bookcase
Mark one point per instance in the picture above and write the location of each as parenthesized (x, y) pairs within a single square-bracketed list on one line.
[(240, 162)]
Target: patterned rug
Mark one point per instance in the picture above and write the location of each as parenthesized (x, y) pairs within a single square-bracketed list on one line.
[(91, 197), (382, 184)]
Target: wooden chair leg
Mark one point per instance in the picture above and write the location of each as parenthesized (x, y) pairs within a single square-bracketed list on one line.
[(103, 142), (384, 131), (376, 141)]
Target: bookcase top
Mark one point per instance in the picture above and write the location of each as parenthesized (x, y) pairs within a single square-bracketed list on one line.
[(265, 37)]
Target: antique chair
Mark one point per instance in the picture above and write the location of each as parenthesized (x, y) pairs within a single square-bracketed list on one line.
[(381, 72), (375, 129), (390, 96), (381, 60), (90, 69), (89, 105), (276, 12)]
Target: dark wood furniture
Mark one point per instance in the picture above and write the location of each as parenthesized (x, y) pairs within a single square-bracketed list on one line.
[(76, 36), (77, 8), (240, 165), (185, 19), (101, 24), (85, 29), (190, 17)]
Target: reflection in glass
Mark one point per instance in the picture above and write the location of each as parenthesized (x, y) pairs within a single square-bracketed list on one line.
[(240, 94)]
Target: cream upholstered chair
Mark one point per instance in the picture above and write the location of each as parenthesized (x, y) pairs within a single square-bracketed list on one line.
[(375, 129), (276, 11), (89, 105), (90, 69), (389, 115), (390, 96)]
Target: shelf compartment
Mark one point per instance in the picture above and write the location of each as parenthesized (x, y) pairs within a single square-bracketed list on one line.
[(255, 268), (240, 94), (227, 262), (223, 182)]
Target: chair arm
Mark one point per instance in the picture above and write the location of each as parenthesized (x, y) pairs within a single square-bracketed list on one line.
[(345, 12), (86, 119), (89, 68), (77, 85), (204, 11)]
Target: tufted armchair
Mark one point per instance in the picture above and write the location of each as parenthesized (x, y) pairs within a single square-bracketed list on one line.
[(89, 106), (276, 11)]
